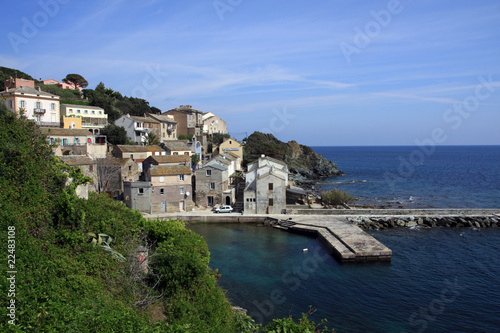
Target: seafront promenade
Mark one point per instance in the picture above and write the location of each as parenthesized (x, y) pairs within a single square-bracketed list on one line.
[(337, 230)]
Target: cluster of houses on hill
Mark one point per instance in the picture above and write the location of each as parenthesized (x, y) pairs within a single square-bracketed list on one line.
[(154, 178)]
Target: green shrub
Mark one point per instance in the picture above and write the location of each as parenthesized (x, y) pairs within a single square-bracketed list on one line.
[(336, 197)]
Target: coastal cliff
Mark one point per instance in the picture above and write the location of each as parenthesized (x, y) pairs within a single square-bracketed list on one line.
[(305, 166)]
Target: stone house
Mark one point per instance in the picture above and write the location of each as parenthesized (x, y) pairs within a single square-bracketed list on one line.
[(189, 120), (177, 147), (88, 167), (165, 160), (265, 186), (171, 188), (113, 172), (137, 153), (212, 184), (137, 195), (168, 126)]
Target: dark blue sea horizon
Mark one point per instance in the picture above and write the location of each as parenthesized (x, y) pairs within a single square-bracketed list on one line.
[(417, 177)]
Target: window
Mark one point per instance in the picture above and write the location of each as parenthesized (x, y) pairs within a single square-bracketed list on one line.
[(70, 110), (11, 103), (190, 117), (181, 190), (129, 168), (175, 153), (52, 106), (141, 191), (187, 153), (271, 201), (162, 179), (91, 168), (157, 153), (100, 112), (23, 104), (78, 111), (38, 105), (162, 191), (93, 112), (86, 111), (212, 186), (210, 200), (209, 173), (180, 178)]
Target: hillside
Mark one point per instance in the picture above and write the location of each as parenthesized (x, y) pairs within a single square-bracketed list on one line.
[(304, 164)]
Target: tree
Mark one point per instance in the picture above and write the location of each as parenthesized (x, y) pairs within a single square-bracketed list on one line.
[(194, 159), (152, 139), (116, 135), (77, 80)]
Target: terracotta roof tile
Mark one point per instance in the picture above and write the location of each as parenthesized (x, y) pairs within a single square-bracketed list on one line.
[(169, 170)]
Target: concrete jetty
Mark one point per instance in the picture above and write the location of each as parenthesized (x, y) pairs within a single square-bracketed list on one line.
[(345, 241)]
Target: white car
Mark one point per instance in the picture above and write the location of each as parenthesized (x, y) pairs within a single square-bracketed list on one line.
[(224, 209)]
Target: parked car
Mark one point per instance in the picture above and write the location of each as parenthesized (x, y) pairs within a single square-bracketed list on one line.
[(224, 209)]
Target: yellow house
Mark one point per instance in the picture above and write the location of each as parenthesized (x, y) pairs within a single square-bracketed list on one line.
[(231, 146), (92, 118), (71, 122)]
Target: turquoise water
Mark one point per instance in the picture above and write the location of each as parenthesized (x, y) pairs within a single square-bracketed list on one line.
[(440, 280)]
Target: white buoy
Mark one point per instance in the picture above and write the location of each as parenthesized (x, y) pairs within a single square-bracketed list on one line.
[(305, 250)]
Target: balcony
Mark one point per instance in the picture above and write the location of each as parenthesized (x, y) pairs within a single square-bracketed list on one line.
[(39, 111)]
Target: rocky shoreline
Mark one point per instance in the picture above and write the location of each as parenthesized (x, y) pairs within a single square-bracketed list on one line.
[(416, 222)]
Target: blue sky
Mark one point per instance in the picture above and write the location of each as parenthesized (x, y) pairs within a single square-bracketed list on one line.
[(327, 72)]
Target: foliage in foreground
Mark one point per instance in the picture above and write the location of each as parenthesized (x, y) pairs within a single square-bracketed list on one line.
[(64, 283), (336, 197)]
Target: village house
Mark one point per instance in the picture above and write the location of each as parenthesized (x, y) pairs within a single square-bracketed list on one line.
[(213, 124), (168, 126), (231, 145), (113, 172), (171, 188), (137, 195), (138, 127), (165, 160), (212, 184), (189, 120), (59, 84), (177, 147), (91, 118), (265, 186), (137, 153), (76, 142), (88, 167), (21, 96)]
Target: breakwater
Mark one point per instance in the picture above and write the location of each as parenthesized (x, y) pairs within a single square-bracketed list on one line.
[(459, 221)]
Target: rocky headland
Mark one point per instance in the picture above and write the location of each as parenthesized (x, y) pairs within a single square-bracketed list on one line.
[(306, 167)]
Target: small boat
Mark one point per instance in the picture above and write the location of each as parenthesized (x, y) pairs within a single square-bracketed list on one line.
[(305, 250)]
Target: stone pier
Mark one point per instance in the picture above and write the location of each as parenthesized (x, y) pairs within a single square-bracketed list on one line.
[(345, 241)]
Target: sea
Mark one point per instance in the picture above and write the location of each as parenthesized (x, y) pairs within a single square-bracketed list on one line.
[(439, 280)]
